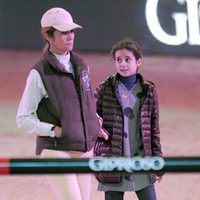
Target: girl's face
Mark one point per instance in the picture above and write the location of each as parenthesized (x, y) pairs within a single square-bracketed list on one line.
[(61, 42), (126, 63)]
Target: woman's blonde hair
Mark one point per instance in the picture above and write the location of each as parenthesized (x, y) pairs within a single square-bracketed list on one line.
[(50, 32)]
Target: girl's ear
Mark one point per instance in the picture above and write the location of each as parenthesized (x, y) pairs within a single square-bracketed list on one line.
[(139, 62)]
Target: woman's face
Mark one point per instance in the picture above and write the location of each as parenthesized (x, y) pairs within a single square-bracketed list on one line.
[(126, 63), (61, 42)]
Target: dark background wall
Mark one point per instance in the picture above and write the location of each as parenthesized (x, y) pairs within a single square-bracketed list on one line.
[(104, 23)]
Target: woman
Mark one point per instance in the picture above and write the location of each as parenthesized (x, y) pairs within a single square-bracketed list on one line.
[(58, 104)]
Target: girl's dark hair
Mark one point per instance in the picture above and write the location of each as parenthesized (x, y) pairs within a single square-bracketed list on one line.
[(129, 44)]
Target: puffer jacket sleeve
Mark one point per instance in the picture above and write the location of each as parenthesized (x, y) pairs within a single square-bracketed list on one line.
[(155, 139)]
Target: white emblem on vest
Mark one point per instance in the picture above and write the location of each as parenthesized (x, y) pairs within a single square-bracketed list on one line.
[(86, 79)]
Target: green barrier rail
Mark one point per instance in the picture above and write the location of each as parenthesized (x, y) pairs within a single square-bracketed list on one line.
[(11, 166)]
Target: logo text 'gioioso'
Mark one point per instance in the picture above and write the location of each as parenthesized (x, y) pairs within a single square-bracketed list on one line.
[(126, 164)]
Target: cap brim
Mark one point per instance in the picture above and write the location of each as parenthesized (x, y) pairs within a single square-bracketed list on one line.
[(67, 27)]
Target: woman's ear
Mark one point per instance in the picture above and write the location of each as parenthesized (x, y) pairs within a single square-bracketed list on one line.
[(139, 62), (47, 37)]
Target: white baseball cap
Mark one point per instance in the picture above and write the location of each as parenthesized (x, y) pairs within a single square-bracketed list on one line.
[(58, 18)]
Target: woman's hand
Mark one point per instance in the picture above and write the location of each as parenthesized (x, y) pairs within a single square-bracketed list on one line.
[(102, 133), (58, 131)]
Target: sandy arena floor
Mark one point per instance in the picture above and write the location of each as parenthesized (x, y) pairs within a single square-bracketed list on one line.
[(177, 80)]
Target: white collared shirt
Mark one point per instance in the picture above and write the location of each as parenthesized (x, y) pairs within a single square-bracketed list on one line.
[(33, 93), (65, 60)]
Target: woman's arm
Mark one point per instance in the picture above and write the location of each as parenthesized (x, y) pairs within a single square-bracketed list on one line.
[(26, 116)]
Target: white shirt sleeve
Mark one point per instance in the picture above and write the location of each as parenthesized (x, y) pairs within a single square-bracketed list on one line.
[(26, 115)]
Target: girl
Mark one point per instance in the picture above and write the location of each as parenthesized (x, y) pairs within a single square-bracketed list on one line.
[(128, 105)]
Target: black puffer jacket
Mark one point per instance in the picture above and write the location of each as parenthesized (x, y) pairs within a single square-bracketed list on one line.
[(108, 107)]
